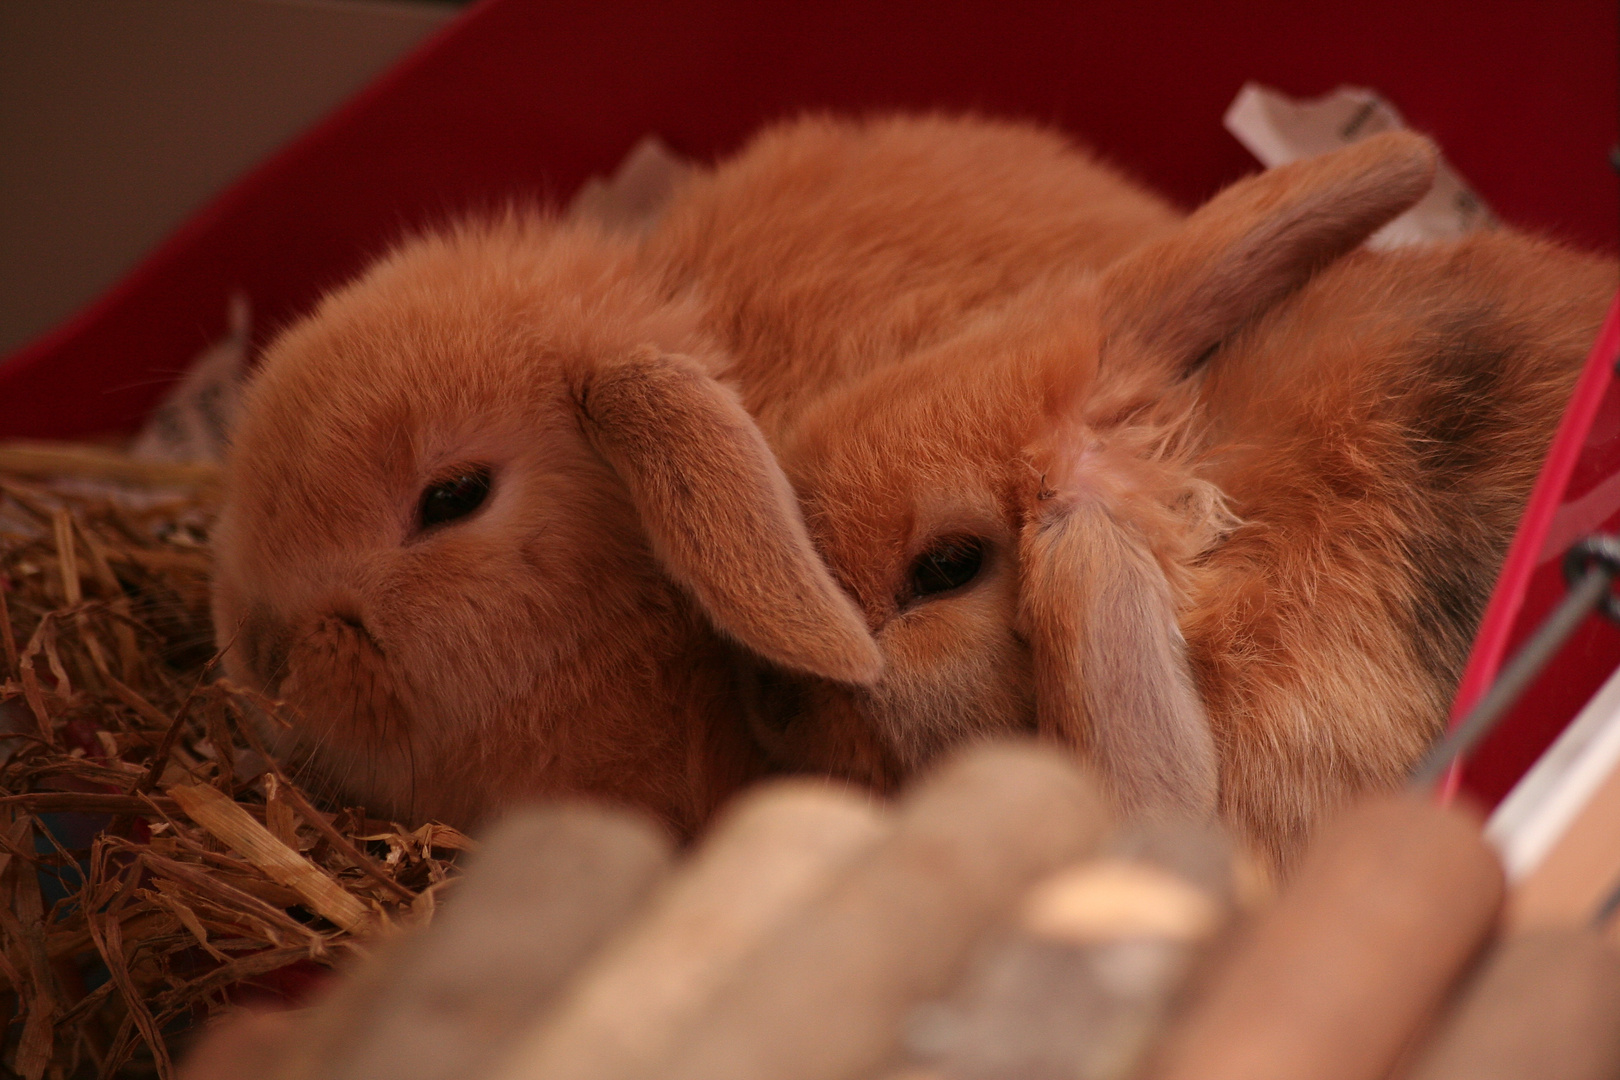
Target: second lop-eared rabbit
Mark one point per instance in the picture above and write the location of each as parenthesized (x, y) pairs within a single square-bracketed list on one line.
[(1222, 517), (498, 511)]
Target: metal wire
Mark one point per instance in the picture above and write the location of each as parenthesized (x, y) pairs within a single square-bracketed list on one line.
[(1591, 567)]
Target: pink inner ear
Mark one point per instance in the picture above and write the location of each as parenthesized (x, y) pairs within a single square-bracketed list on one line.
[(1077, 464)]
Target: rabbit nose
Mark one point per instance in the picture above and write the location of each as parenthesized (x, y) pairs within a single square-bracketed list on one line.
[(343, 615)]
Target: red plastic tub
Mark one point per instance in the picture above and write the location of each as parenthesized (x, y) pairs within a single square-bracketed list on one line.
[(524, 98)]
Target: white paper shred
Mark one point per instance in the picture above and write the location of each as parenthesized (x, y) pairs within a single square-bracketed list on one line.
[(1278, 129)]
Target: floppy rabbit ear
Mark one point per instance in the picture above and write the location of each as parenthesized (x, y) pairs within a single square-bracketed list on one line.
[(1166, 304), (722, 518), (1111, 670)]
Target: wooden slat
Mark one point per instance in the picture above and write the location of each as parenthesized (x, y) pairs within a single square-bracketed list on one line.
[(235, 827)]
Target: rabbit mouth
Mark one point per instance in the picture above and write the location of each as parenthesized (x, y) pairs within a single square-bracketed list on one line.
[(342, 685), (351, 734)]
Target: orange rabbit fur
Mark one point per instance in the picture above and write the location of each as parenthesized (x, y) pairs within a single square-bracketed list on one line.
[(1222, 517), (1395, 457), (830, 248), (496, 514)]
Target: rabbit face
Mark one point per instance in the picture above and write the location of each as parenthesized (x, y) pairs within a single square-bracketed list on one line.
[(483, 512), (955, 668), (923, 533), (1013, 573), (413, 509), (1026, 501)]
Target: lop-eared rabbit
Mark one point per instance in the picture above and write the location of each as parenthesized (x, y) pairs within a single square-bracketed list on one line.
[(1221, 517)]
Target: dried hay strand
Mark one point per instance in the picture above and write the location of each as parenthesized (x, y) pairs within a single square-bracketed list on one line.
[(156, 864)]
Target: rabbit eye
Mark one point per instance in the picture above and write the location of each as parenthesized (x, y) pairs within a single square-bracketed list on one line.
[(948, 564), (455, 497)]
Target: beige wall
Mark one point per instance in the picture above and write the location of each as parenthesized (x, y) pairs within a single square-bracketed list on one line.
[(119, 117)]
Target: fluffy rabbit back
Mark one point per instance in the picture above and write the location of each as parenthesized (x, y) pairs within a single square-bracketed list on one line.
[(1377, 435), (833, 247)]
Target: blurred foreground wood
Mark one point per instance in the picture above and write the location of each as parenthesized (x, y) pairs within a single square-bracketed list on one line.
[(1389, 905), (994, 925), (1544, 1004)]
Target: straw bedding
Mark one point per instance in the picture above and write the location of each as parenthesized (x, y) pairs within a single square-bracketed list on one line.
[(155, 863)]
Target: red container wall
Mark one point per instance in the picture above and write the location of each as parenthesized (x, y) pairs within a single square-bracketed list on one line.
[(520, 98)]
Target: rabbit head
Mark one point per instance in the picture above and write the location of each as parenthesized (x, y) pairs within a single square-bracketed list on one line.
[(1019, 511), (484, 506)]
